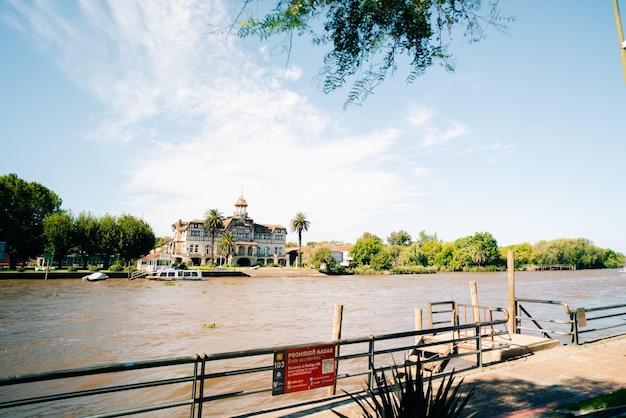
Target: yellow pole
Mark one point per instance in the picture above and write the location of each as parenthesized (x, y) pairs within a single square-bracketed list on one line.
[(620, 35)]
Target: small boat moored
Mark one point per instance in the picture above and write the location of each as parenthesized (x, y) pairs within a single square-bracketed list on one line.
[(176, 274), (94, 277)]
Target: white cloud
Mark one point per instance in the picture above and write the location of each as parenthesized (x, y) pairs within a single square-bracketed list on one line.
[(197, 118), (420, 116), (435, 136)]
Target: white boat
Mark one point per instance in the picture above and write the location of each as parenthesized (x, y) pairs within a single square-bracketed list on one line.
[(176, 274), (94, 277)]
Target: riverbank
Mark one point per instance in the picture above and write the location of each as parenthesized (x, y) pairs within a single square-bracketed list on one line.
[(242, 271), (280, 272)]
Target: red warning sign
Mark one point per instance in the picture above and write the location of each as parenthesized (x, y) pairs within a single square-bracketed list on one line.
[(303, 369)]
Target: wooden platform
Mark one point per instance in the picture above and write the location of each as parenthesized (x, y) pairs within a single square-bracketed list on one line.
[(516, 345), (496, 349)]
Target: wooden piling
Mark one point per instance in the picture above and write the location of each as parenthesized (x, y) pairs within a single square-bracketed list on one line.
[(510, 264), (474, 294), (418, 325), (337, 322)]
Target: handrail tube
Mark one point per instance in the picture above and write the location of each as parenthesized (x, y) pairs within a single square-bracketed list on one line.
[(600, 329), (91, 370), (236, 372), (606, 316), (544, 331), (141, 409), (520, 317), (605, 308), (92, 392), (549, 302), (551, 321)]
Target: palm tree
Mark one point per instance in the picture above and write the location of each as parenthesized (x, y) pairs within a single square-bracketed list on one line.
[(227, 245), (299, 224), (213, 221)]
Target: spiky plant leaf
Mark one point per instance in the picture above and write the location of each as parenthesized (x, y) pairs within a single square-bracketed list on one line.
[(405, 397)]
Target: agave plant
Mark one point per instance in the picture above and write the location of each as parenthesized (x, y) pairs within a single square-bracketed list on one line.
[(405, 397)]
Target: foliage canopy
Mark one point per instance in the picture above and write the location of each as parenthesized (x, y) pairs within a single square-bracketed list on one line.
[(368, 37), (23, 208)]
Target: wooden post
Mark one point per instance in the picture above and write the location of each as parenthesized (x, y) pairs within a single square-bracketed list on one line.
[(418, 325), (476, 311), (510, 263), (337, 322)]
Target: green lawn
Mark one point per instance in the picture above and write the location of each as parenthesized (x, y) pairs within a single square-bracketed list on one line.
[(617, 398)]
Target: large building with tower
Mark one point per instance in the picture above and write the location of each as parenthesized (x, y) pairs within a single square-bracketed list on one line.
[(255, 244)]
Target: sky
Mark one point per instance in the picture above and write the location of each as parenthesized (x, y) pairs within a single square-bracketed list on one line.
[(155, 109)]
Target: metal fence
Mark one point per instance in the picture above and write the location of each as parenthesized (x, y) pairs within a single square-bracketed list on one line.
[(555, 319), (239, 383), (200, 384)]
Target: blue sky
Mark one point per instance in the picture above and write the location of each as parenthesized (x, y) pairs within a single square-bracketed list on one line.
[(145, 107)]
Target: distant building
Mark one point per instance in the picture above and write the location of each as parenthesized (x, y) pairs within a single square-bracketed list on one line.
[(255, 244), (341, 254)]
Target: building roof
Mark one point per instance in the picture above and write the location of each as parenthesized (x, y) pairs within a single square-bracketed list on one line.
[(180, 225)]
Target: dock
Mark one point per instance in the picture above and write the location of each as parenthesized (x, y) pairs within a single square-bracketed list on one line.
[(496, 349), (534, 385)]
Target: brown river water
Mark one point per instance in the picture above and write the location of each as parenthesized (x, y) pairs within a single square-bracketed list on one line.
[(68, 323)]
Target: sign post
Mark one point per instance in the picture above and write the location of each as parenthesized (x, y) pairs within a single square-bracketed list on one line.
[(305, 368), (47, 258)]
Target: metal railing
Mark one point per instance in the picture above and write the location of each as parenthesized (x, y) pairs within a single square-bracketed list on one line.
[(201, 382), (604, 319), (575, 322)]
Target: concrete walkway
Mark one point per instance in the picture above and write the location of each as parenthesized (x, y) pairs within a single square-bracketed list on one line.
[(530, 386), (534, 385)]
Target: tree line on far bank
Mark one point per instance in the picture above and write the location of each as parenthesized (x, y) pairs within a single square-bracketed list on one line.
[(478, 252), (32, 222)]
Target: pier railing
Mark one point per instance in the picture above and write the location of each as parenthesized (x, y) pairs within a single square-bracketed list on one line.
[(576, 326), (209, 383)]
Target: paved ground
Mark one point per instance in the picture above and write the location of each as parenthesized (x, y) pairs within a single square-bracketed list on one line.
[(534, 385), (530, 386)]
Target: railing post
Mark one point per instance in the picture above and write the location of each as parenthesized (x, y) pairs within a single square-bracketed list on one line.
[(201, 394), (193, 388), (479, 345), (371, 364), (517, 317), (573, 317)]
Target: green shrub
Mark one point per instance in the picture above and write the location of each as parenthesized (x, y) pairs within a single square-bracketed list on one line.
[(71, 268), (365, 270), (116, 267), (93, 268), (405, 397), (20, 269), (413, 270)]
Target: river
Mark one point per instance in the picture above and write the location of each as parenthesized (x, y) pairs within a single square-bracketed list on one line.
[(67, 323)]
